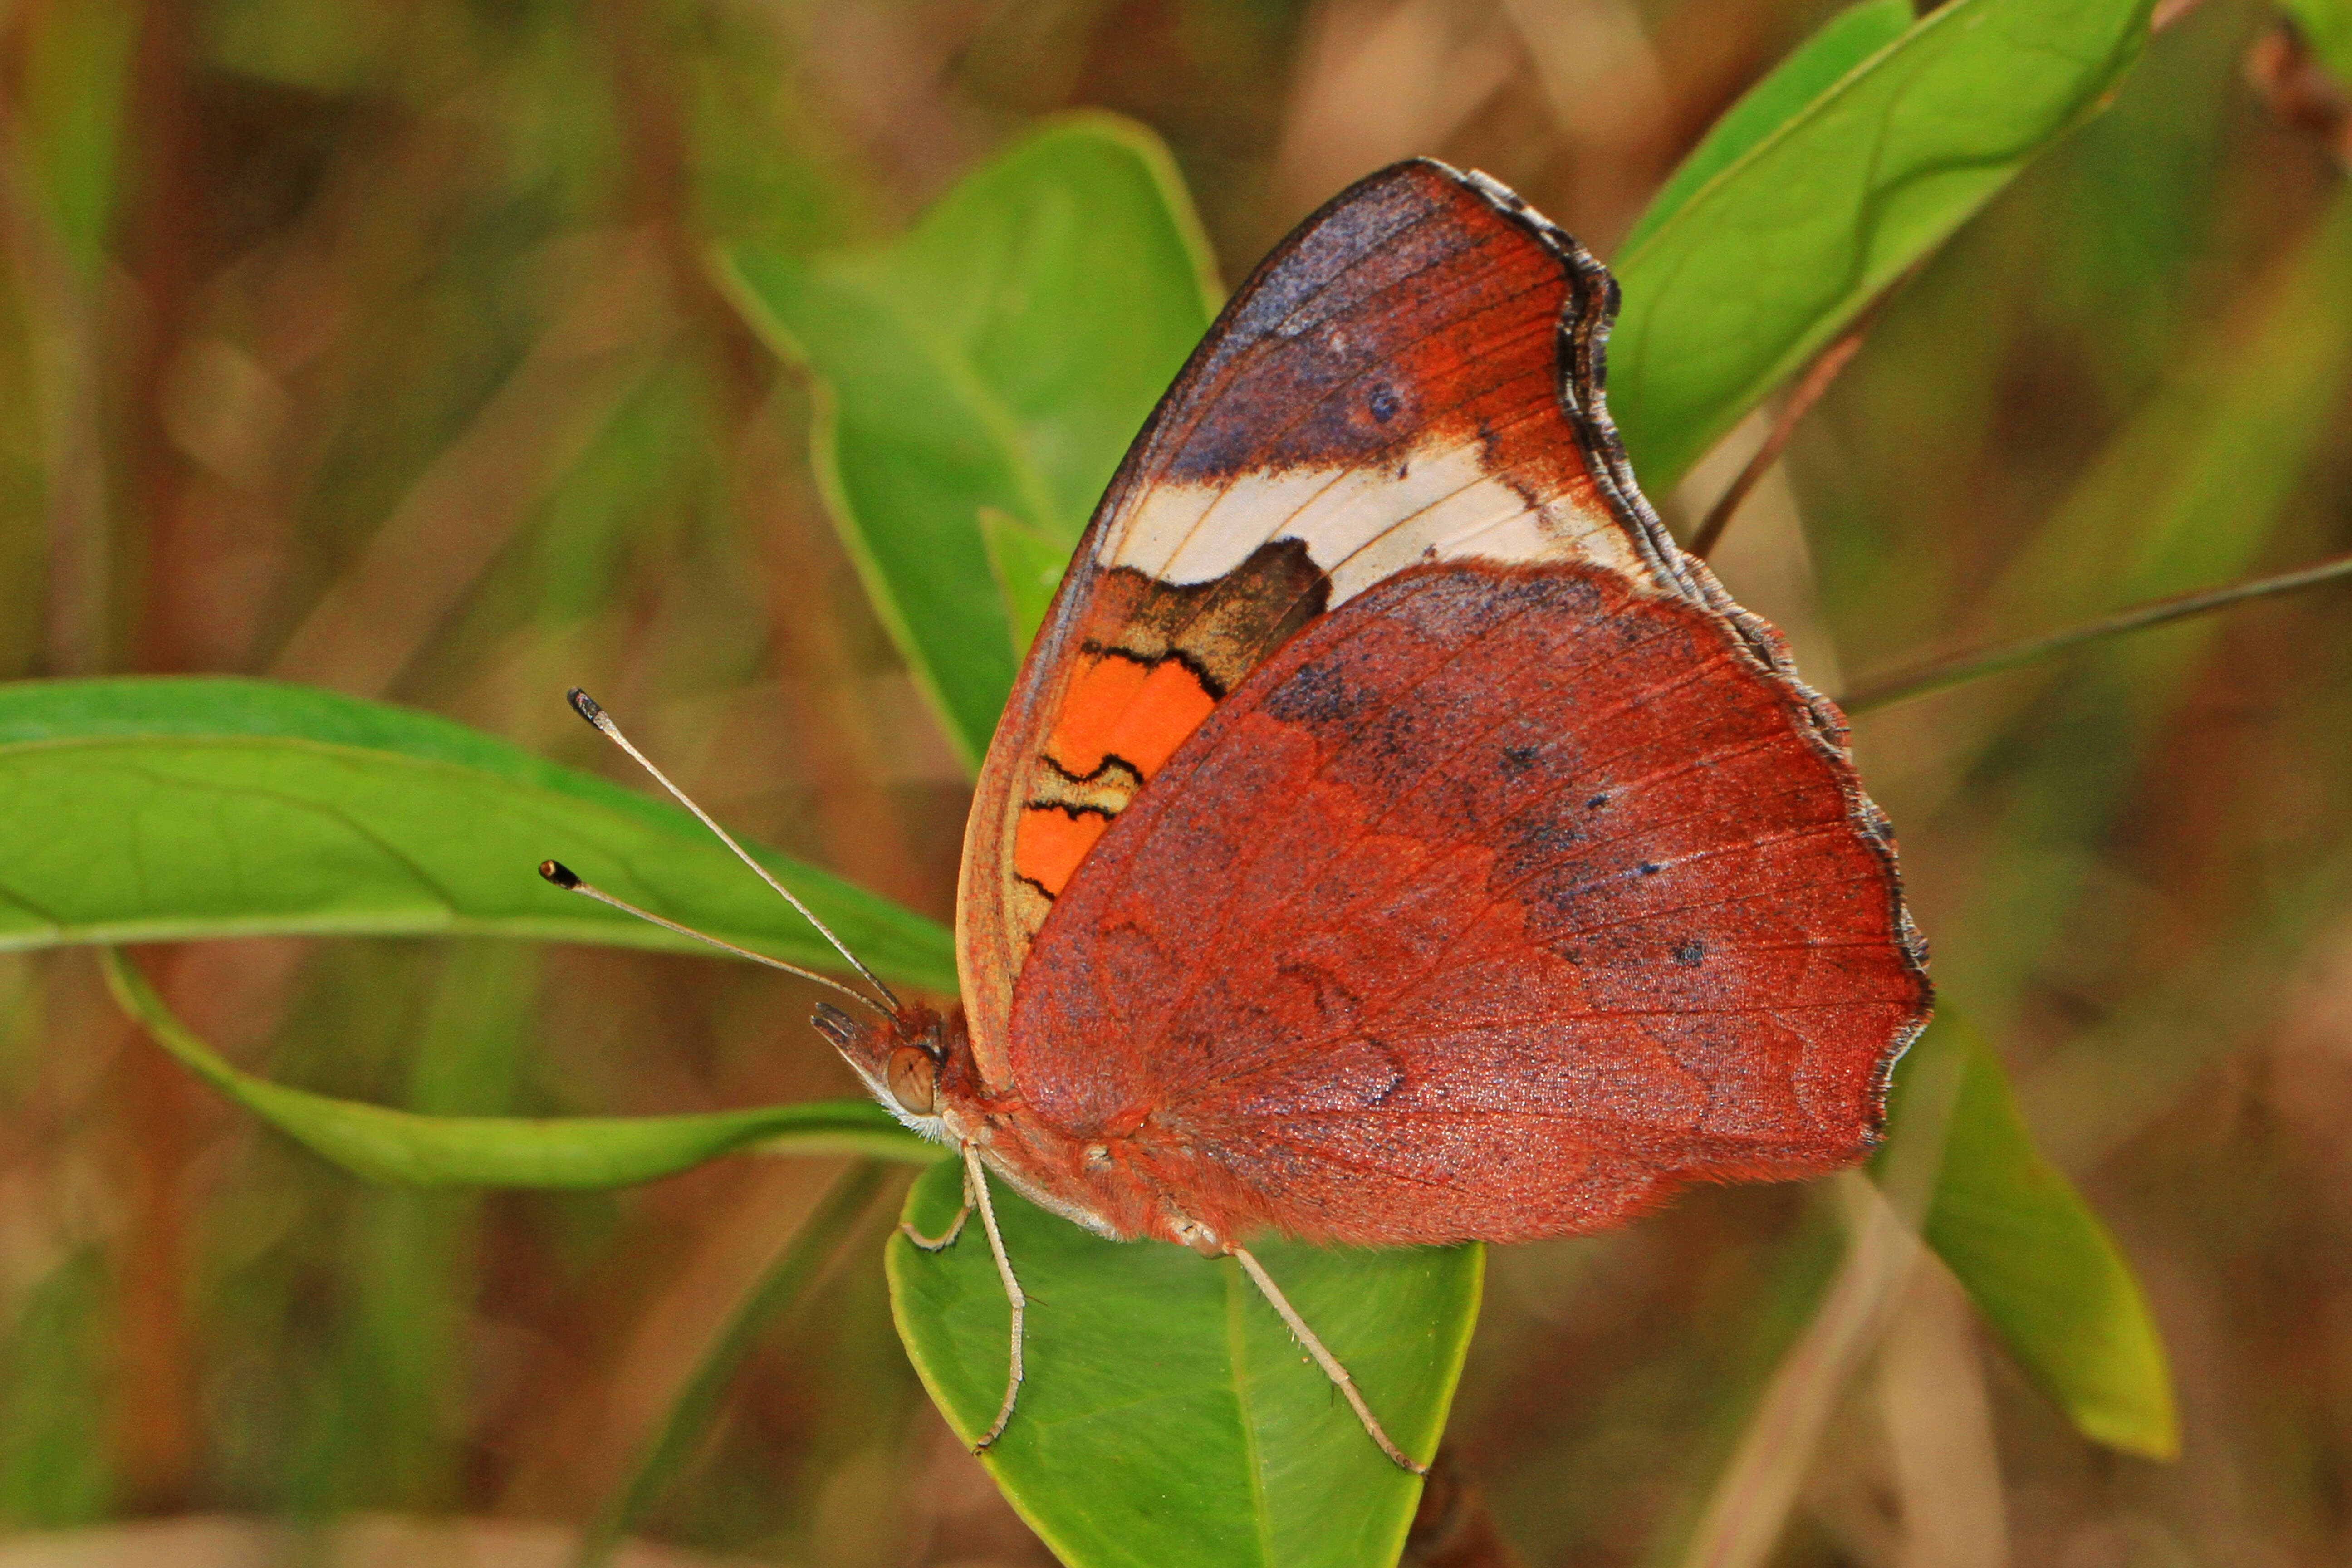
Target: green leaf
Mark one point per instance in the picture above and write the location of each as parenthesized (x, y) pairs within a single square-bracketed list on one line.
[(412, 1150), (2034, 1259), (1027, 565), (1167, 1418), (152, 810), (1001, 355), (1773, 257), (1843, 43)]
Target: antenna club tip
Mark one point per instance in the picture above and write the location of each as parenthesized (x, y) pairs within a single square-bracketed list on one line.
[(585, 705), (562, 875)]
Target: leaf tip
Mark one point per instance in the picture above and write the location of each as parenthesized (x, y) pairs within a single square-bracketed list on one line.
[(2144, 1432)]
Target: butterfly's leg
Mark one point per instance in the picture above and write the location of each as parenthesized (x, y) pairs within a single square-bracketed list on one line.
[(946, 1238), (976, 1188), (1323, 1358)]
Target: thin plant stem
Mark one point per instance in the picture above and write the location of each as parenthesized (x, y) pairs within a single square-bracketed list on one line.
[(1937, 675), (1800, 400)]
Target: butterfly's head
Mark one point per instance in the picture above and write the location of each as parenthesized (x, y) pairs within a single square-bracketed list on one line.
[(908, 1059)]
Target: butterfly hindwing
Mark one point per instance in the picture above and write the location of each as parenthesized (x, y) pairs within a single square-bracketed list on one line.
[(1497, 906)]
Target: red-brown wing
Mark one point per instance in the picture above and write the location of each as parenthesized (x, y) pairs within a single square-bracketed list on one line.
[(1412, 375), (1497, 906)]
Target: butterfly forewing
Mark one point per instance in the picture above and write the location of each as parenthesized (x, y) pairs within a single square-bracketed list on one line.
[(1412, 377)]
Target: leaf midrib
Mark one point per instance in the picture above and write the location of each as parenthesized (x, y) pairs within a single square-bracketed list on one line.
[(1237, 1358)]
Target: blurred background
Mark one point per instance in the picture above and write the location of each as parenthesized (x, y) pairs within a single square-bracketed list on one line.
[(369, 344)]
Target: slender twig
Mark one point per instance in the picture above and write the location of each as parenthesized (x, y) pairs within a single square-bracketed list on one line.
[(688, 1416), (1800, 401), (1904, 685)]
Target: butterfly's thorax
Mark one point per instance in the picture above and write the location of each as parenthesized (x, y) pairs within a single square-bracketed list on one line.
[(1134, 1175), (1120, 1180)]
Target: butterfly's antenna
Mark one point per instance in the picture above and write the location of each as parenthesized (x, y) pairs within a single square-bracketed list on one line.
[(565, 878), (587, 708)]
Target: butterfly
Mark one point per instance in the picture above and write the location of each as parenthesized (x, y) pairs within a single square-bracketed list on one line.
[(1393, 838)]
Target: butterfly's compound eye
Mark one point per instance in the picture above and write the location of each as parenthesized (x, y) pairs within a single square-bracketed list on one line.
[(913, 1081)]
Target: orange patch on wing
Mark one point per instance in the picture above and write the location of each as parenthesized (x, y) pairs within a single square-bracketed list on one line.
[(1138, 712), (1050, 842)]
